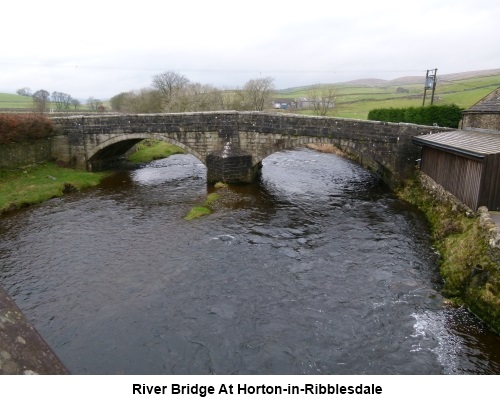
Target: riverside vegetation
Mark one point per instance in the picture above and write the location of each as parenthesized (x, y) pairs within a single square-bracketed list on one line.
[(469, 264), (34, 184), (202, 210), (149, 150)]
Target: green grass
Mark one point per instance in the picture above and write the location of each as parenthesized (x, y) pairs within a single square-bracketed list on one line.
[(35, 184), (149, 150), (14, 101)]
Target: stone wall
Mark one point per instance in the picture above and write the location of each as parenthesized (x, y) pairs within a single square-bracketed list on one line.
[(13, 155), (482, 121), (490, 227), (492, 230)]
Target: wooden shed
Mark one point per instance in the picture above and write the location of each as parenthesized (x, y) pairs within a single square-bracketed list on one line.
[(464, 163)]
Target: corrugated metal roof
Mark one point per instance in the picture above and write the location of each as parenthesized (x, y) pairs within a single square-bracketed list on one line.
[(473, 143)]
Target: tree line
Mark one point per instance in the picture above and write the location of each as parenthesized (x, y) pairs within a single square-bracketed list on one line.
[(43, 100), (174, 92)]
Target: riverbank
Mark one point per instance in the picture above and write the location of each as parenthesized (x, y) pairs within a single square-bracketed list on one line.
[(37, 183), (149, 150), (33, 184), (469, 248)]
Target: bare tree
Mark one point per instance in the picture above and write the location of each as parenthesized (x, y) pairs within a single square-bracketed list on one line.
[(25, 91), (41, 100), (119, 102), (91, 103), (321, 99), (75, 103), (169, 85), (197, 97), (94, 103), (258, 92), (234, 99), (143, 101), (62, 100)]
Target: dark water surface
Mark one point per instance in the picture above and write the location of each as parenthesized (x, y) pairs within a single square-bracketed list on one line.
[(315, 269)]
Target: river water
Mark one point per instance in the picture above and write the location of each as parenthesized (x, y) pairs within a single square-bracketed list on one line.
[(315, 269)]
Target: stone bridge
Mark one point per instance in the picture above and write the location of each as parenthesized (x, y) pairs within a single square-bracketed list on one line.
[(233, 144)]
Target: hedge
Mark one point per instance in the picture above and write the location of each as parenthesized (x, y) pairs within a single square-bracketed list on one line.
[(24, 127), (442, 115)]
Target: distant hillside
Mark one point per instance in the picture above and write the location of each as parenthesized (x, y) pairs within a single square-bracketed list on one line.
[(401, 81), (407, 80), (366, 82), (356, 98)]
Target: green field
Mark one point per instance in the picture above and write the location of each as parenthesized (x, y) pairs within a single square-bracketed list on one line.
[(16, 103), (355, 101), (13, 101)]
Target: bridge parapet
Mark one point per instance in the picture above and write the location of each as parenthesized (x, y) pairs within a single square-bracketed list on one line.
[(386, 148)]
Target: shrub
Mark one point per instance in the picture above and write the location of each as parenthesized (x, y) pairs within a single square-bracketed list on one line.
[(442, 115), (24, 127)]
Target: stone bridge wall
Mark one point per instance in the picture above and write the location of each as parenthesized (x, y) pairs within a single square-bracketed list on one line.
[(385, 148)]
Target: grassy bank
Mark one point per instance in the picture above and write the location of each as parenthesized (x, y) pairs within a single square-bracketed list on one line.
[(35, 184), (469, 266), (149, 150)]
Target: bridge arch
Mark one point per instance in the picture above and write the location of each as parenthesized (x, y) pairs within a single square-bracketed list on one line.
[(107, 152), (287, 143)]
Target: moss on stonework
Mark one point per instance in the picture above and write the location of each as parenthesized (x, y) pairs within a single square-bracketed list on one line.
[(469, 266)]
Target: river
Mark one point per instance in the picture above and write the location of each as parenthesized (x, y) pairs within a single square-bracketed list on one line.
[(316, 268)]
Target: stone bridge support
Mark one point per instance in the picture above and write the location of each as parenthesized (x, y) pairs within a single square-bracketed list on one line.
[(233, 144)]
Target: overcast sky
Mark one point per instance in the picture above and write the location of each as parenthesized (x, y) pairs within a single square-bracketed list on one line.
[(101, 48)]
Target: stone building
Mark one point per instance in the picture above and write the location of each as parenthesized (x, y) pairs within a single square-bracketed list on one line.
[(484, 115)]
